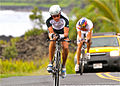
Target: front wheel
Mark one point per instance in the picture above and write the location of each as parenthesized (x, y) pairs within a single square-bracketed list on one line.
[(82, 62), (57, 69), (81, 67), (57, 78)]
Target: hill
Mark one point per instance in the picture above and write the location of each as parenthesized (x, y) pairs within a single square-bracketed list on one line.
[(34, 47)]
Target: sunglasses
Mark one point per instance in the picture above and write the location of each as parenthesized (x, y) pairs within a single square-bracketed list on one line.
[(54, 16)]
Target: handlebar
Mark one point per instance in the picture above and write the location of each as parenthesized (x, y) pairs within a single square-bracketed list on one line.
[(59, 40)]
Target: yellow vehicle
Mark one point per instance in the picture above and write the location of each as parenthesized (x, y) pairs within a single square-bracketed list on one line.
[(104, 52)]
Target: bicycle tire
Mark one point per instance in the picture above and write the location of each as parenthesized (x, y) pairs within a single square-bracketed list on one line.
[(57, 69), (82, 62), (82, 68)]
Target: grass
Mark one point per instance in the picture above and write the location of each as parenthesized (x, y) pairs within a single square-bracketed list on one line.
[(39, 72), (10, 75), (30, 4), (9, 68), (70, 64), (16, 4)]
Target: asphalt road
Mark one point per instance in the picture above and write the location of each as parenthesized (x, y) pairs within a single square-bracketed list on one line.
[(88, 79)]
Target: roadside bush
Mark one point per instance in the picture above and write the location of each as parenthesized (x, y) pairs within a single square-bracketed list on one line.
[(10, 66), (0, 66), (72, 30), (33, 32), (70, 64), (21, 67), (10, 52), (14, 40), (3, 42)]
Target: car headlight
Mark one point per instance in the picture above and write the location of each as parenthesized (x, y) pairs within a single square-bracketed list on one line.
[(114, 53)]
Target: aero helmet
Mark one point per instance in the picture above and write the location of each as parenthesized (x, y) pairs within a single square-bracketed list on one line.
[(54, 10), (83, 22)]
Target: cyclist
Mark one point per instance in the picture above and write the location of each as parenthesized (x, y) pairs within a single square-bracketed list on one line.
[(83, 26), (57, 23)]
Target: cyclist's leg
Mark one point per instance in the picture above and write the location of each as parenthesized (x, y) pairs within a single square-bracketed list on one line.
[(65, 52), (79, 44), (89, 35), (51, 50), (64, 57), (51, 54), (79, 53)]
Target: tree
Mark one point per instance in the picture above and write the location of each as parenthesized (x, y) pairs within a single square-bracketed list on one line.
[(37, 18), (109, 11)]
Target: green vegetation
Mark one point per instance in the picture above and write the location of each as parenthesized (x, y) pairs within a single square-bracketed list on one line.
[(14, 40), (15, 4), (10, 52), (35, 67), (33, 32), (109, 13), (87, 12), (40, 3), (70, 66), (37, 18), (105, 15), (19, 67), (3, 42)]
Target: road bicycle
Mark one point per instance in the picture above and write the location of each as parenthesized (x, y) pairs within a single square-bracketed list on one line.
[(57, 61)]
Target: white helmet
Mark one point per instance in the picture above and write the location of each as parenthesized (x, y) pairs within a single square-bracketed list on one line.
[(54, 10)]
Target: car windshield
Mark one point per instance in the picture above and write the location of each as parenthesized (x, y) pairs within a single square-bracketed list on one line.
[(105, 42)]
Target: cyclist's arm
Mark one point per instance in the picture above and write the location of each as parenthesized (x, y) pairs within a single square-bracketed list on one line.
[(51, 32), (90, 29), (89, 34), (66, 31), (50, 29), (79, 34), (78, 30), (66, 28)]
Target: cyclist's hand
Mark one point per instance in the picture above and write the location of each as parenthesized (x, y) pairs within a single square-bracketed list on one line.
[(56, 37), (82, 40), (52, 36)]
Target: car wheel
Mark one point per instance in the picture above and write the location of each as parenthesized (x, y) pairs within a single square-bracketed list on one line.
[(119, 65)]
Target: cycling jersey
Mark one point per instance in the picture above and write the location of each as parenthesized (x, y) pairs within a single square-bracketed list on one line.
[(58, 27), (87, 28)]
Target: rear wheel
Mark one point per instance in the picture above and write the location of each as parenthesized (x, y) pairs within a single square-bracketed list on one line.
[(119, 65)]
